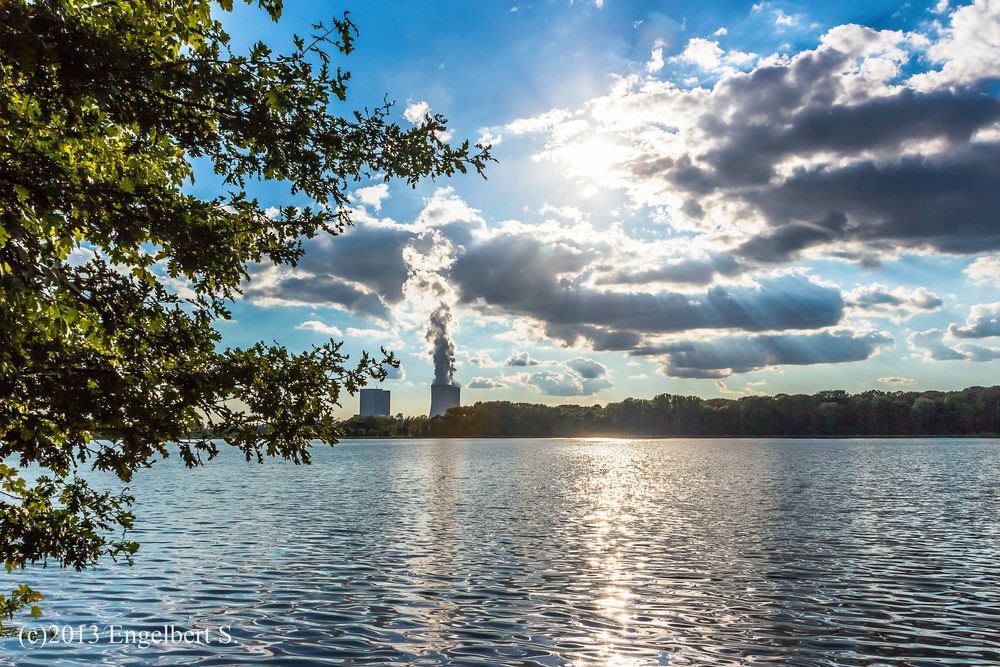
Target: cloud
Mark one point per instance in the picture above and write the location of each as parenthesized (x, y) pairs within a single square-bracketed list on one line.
[(373, 195), (319, 327), (709, 56), (700, 270), (983, 322), (577, 377), (521, 359), (749, 390), (80, 256), (838, 150), (929, 344), (484, 383), (985, 270), (416, 111), (724, 356), (482, 359), (488, 138), (364, 270), (969, 49), (588, 369), (545, 121), (979, 354), (783, 20), (392, 373), (304, 289), (896, 304), (898, 381), (655, 63), (519, 275)]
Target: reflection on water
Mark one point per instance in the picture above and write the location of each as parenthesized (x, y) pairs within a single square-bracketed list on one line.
[(557, 552)]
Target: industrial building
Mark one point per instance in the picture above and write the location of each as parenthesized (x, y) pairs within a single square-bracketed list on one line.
[(374, 403), (444, 396)]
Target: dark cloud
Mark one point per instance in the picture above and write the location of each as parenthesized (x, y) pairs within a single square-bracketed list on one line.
[(897, 304), (887, 167), (597, 338), (786, 240), (521, 359), (588, 369), (319, 291), (369, 254), (520, 275), (983, 322), (727, 355), (695, 271), (949, 202), (931, 343), (980, 354), (752, 149)]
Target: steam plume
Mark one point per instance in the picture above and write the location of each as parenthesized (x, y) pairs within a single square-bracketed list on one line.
[(444, 348)]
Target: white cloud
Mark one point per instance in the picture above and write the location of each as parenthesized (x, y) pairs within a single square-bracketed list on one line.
[(721, 32), (415, 112), (482, 359), (968, 50), (319, 327), (484, 383), (373, 195), (655, 63), (487, 138), (570, 213), (749, 390), (985, 270), (80, 256), (898, 381), (783, 20), (709, 56), (545, 121)]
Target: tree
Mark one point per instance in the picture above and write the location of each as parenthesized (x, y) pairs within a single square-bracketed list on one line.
[(113, 274)]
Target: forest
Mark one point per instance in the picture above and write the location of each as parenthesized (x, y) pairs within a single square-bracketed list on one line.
[(971, 411)]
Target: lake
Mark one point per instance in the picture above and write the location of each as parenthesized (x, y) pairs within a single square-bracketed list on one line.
[(555, 552)]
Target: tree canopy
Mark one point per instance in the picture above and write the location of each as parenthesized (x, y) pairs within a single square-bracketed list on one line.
[(114, 274), (971, 411)]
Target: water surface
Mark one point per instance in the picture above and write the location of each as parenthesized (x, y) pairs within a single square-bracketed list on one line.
[(558, 552)]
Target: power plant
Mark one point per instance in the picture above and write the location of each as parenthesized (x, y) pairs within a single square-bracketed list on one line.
[(444, 392), (444, 396), (374, 403)]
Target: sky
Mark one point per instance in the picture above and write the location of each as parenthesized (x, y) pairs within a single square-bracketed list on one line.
[(717, 199)]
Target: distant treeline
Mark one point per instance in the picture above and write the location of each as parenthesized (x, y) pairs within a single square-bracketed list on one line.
[(972, 411)]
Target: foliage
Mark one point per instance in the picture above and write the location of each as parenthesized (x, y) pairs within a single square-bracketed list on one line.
[(113, 273), (972, 411)]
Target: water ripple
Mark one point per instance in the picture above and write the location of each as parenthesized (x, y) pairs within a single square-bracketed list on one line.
[(558, 552)]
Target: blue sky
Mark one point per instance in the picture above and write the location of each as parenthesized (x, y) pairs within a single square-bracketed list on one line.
[(706, 198)]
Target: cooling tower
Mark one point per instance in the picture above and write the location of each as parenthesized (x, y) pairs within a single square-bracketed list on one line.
[(444, 396)]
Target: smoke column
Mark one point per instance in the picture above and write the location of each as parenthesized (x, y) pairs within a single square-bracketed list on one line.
[(444, 349)]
